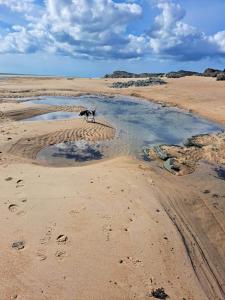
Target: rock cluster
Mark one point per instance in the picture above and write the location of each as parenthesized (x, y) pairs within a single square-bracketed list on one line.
[(124, 74), (138, 83), (211, 72), (183, 160), (220, 76), (182, 73)]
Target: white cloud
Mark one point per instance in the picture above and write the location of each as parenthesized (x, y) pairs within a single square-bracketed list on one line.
[(18, 6), (99, 29), (219, 40), (85, 28), (171, 37)]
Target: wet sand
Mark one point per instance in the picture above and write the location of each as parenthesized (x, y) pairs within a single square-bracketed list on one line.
[(202, 95), (116, 229)]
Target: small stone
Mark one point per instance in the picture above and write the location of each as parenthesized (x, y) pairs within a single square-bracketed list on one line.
[(120, 261), (159, 293), (18, 245), (8, 179), (206, 191)]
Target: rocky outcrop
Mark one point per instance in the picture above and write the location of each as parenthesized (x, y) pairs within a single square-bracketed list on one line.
[(182, 73), (211, 72), (124, 74), (183, 160), (138, 83), (220, 76)]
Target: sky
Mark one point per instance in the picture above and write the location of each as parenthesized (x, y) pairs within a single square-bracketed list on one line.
[(89, 38)]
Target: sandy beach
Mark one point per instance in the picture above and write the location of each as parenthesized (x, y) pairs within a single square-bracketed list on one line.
[(116, 229)]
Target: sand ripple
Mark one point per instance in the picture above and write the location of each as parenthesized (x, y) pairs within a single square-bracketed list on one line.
[(29, 112), (29, 147)]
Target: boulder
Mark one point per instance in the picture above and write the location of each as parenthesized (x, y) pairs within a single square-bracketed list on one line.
[(182, 73), (211, 72), (220, 76)]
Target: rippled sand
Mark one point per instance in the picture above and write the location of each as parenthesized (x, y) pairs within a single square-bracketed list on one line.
[(112, 230)]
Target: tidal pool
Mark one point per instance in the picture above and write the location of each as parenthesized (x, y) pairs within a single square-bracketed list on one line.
[(139, 123), (58, 115)]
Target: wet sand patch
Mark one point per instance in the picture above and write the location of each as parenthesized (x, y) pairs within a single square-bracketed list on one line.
[(29, 112)]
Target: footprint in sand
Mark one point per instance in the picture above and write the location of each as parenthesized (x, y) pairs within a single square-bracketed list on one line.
[(41, 255), (60, 254), (62, 239), (108, 229), (47, 236), (20, 183), (13, 208)]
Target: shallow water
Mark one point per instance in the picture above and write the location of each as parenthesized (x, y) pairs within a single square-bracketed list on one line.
[(58, 115), (139, 123)]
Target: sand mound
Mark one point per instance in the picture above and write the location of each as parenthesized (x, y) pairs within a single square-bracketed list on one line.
[(29, 147), (29, 112)]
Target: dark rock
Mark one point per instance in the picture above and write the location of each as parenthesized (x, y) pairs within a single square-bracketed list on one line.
[(18, 245), (138, 83), (206, 191), (124, 74), (194, 142), (220, 76), (182, 73), (159, 293), (211, 72), (220, 173)]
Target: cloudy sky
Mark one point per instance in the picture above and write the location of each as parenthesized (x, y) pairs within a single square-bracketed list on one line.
[(92, 37)]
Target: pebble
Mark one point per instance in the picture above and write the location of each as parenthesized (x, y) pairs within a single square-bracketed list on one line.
[(18, 245)]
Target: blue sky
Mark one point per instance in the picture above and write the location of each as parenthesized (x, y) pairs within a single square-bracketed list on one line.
[(93, 37)]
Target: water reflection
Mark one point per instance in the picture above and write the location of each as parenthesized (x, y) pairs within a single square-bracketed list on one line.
[(58, 115), (139, 123)]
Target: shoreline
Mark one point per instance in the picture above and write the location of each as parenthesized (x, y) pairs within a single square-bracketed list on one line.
[(154, 94)]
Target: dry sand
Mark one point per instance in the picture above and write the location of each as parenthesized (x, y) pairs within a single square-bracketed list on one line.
[(111, 230)]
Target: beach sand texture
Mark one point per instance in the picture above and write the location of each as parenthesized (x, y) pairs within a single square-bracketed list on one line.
[(116, 229)]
